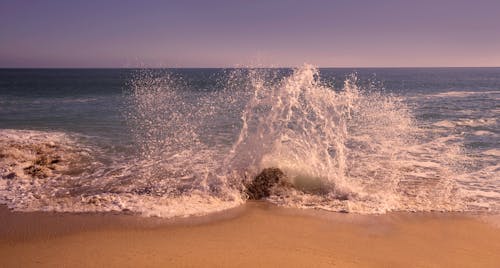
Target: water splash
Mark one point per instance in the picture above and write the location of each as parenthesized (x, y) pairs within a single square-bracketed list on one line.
[(347, 149), (356, 149)]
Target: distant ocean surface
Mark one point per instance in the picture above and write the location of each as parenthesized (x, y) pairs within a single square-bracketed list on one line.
[(180, 142)]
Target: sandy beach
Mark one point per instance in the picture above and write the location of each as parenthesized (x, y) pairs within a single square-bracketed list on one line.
[(250, 134), (257, 234)]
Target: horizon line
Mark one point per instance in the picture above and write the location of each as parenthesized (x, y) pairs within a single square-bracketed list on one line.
[(255, 67)]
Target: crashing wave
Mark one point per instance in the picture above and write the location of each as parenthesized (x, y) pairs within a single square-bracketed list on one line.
[(354, 149)]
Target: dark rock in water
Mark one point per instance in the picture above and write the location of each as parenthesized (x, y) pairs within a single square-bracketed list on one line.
[(10, 176), (262, 184)]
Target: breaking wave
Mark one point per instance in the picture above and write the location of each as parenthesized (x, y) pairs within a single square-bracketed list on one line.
[(355, 149)]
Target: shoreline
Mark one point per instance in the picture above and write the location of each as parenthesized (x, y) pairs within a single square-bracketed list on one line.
[(255, 234)]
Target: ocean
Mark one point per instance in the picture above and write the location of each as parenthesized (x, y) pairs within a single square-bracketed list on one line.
[(181, 142)]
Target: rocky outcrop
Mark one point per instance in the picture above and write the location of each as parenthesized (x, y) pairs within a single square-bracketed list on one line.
[(45, 161), (261, 186), (36, 159)]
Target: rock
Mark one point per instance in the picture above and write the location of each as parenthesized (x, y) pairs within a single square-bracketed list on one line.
[(263, 183), (10, 176)]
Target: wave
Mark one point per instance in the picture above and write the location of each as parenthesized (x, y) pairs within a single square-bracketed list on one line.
[(354, 149), (466, 94), (53, 171), (46, 101)]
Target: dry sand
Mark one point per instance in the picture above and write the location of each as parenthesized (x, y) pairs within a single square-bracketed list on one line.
[(256, 234)]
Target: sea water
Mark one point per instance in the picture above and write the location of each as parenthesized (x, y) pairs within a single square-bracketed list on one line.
[(180, 142)]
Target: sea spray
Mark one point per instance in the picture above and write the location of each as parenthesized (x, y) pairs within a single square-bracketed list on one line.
[(346, 149), (354, 148), (346, 144)]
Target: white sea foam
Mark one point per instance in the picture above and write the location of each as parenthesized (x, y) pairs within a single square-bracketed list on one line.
[(445, 124), (77, 182), (466, 94)]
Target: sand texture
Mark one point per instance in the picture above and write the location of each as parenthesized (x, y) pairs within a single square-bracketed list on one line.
[(255, 235)]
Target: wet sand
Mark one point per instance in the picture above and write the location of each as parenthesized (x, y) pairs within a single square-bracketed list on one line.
[(257, 234)]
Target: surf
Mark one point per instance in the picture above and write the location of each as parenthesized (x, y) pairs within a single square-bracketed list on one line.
[(355, 148)]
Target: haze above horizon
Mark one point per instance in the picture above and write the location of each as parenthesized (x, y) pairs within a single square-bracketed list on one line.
[(350, 34)]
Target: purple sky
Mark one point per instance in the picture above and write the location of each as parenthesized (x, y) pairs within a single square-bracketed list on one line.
[(208, 33)]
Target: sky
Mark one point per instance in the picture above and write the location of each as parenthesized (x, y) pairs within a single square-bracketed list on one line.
[(214, 33)]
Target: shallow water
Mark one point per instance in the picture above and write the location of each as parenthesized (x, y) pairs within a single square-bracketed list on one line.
[(183, 142)]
